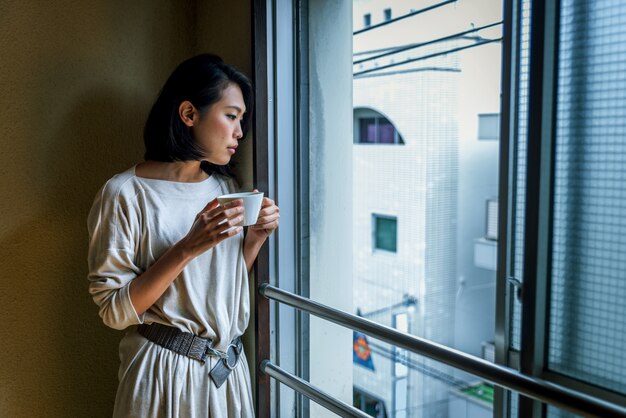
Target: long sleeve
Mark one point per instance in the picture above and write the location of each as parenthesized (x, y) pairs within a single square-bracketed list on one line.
[(111, 259)]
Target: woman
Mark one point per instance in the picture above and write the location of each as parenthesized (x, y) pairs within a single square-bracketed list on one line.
[(165, 256)]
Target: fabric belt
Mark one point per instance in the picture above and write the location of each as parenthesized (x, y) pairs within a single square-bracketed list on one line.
[(195, 347)]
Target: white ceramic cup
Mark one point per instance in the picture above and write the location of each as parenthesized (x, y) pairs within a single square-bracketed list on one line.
[(252, 202)]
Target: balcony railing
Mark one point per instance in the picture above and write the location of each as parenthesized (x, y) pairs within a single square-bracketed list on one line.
[(532, 387)]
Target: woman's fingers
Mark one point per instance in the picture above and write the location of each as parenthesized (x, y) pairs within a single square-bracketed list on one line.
[(268, 213), (265, 219), (268, 202), (266, 227), (221, 221), (268, 219), (231, 232), (213, 225), (210, 206), (227, 211), (232, 212), (268, 208)]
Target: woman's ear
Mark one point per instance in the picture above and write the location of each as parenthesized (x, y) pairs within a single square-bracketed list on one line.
[(187, 113)]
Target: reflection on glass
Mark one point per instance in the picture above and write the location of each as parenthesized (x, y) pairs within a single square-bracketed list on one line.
[(424, 193)]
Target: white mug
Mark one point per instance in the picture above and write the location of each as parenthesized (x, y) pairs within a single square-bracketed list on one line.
[(252, 202)]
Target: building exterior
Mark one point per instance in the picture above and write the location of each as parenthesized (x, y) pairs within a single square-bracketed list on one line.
[(421, 180)]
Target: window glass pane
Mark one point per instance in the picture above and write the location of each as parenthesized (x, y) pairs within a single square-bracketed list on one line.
[(387, 14), (559, 413), (367, 130), (436, 275), (372, 128), (513, 405), (328, 127), (386, 131), (385, 231), (367, 20), (588, 313), (492, 219), (489, 126)]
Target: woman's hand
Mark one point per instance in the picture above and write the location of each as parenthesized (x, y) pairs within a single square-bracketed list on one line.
[(212, 225), (266, 223)]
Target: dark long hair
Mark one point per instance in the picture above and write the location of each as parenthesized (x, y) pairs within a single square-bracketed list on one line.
[(201, 80)]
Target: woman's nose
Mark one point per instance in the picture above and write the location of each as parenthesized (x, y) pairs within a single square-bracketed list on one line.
[(238, 132)]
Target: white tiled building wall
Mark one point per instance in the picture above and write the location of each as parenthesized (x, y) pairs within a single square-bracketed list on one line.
[(415, 182)]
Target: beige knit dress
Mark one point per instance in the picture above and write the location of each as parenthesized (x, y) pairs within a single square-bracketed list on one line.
[(132, 222)]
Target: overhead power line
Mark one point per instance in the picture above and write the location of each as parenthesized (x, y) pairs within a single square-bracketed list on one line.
[(422, 368), (413, 46), (424, 57), (434, 6)]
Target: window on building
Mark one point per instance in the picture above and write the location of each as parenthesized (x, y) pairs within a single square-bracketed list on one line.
[(374, 129), (371, 404), (438, 184), (385, 233), (387, 14), (367, 20), (488, 126), (492, 219)]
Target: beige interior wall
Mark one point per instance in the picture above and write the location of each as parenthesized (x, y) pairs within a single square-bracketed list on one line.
[(226, 31), (77, 79)]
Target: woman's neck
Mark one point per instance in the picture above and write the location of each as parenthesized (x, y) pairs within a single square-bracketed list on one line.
[(181, 171)]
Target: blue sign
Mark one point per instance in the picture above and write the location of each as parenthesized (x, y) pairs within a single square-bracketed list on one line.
[(361, 352)]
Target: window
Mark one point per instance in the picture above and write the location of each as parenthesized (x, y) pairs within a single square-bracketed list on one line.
[(441, 178), (385, 233), (371, 404), (378, 131), (387, 15), (352, 191), (367, 20), (373, 128), (367, 131), (435, 185), (587, 319), (568, 232), (488, 126), (492, 219)]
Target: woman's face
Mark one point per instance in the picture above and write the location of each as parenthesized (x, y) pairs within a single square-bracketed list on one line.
[(218, 129)]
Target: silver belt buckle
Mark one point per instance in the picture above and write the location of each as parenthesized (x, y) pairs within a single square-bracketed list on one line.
[(232, 353)]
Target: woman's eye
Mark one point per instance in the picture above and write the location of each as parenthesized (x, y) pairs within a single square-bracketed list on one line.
[(231, 117)]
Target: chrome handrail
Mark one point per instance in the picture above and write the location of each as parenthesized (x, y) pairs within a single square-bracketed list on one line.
[(302, 386), (560, 396)]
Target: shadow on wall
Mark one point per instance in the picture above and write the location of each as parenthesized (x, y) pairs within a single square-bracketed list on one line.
[(64, 359)]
